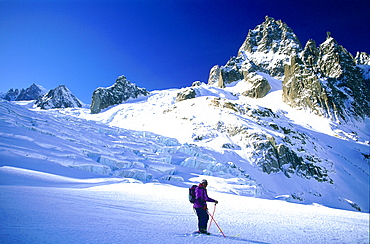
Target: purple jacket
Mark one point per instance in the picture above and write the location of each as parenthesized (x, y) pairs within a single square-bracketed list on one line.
[(201, 197)]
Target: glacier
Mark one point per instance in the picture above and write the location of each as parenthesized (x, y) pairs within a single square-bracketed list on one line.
[(120, 172)]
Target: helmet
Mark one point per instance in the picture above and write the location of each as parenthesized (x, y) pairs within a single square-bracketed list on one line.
[(204, 182)]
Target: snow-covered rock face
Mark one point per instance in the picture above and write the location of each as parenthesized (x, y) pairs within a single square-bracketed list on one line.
[(266, 49), (60, 97), (11, 95), (271, 36), (31, 93), (328, 82), (362, 58), (121, 91)]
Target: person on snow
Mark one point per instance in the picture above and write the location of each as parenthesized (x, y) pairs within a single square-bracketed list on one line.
[(200, 206)]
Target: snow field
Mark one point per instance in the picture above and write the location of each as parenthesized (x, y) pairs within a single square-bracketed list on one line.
[(114, 210), (200, 121), (45, 197)]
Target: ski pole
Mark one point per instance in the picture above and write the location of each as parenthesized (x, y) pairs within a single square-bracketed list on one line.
[(210, 223), (216, 224)]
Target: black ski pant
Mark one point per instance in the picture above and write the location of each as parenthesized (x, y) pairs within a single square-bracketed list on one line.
[(202, 218)]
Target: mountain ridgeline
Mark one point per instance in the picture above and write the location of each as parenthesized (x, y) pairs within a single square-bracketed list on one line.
[(278, 120), (31, 93), (59, 97), (326, 80)]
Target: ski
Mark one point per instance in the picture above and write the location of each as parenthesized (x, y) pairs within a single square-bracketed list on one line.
[(197, 233)]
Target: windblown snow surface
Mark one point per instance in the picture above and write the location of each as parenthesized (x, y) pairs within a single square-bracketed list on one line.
[(121, 176)]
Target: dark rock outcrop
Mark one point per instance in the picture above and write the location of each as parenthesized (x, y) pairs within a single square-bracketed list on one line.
[(272, 36), (259, 86), (184, 94), (120, 92)]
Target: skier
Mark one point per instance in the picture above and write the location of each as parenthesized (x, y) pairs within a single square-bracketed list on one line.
[(200, 206)]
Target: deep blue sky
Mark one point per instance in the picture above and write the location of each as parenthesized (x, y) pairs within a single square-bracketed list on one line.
[(155, 44)]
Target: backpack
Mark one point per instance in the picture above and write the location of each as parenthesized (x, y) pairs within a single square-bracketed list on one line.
[(192, 193)]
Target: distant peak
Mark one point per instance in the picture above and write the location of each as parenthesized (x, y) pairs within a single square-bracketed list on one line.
[(59, 97), (121, 77), (119, 92), (271, 20), (268, 18), (271, 36)]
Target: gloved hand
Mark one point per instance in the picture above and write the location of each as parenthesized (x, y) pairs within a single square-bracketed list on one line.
[(216, 202), (205, 208)]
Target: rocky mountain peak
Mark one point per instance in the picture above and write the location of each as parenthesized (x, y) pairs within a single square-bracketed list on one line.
[(327, 81), (60, 97), (11, 95), (310, 53), (266, 49), (334, 59), (271, 36), (119, 92), (31, 93)]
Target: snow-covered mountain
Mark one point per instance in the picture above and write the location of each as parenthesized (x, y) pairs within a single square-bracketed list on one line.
[(278, 121), (272, 142), (265, 51), (326, 80), (31, 93), (60, 97)]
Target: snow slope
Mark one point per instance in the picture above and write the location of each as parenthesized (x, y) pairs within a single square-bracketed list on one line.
[(45, 197), (73, 206), (204, 121)]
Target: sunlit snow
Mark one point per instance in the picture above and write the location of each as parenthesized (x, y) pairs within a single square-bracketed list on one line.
[(63, 173)]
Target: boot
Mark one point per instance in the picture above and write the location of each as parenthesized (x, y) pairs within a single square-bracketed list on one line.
[(204, 231)]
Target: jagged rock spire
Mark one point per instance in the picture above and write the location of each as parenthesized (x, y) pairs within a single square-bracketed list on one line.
[(327, 81), (121, 91), (267, 48), (334, 59), (310, 53), (271, 36)]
